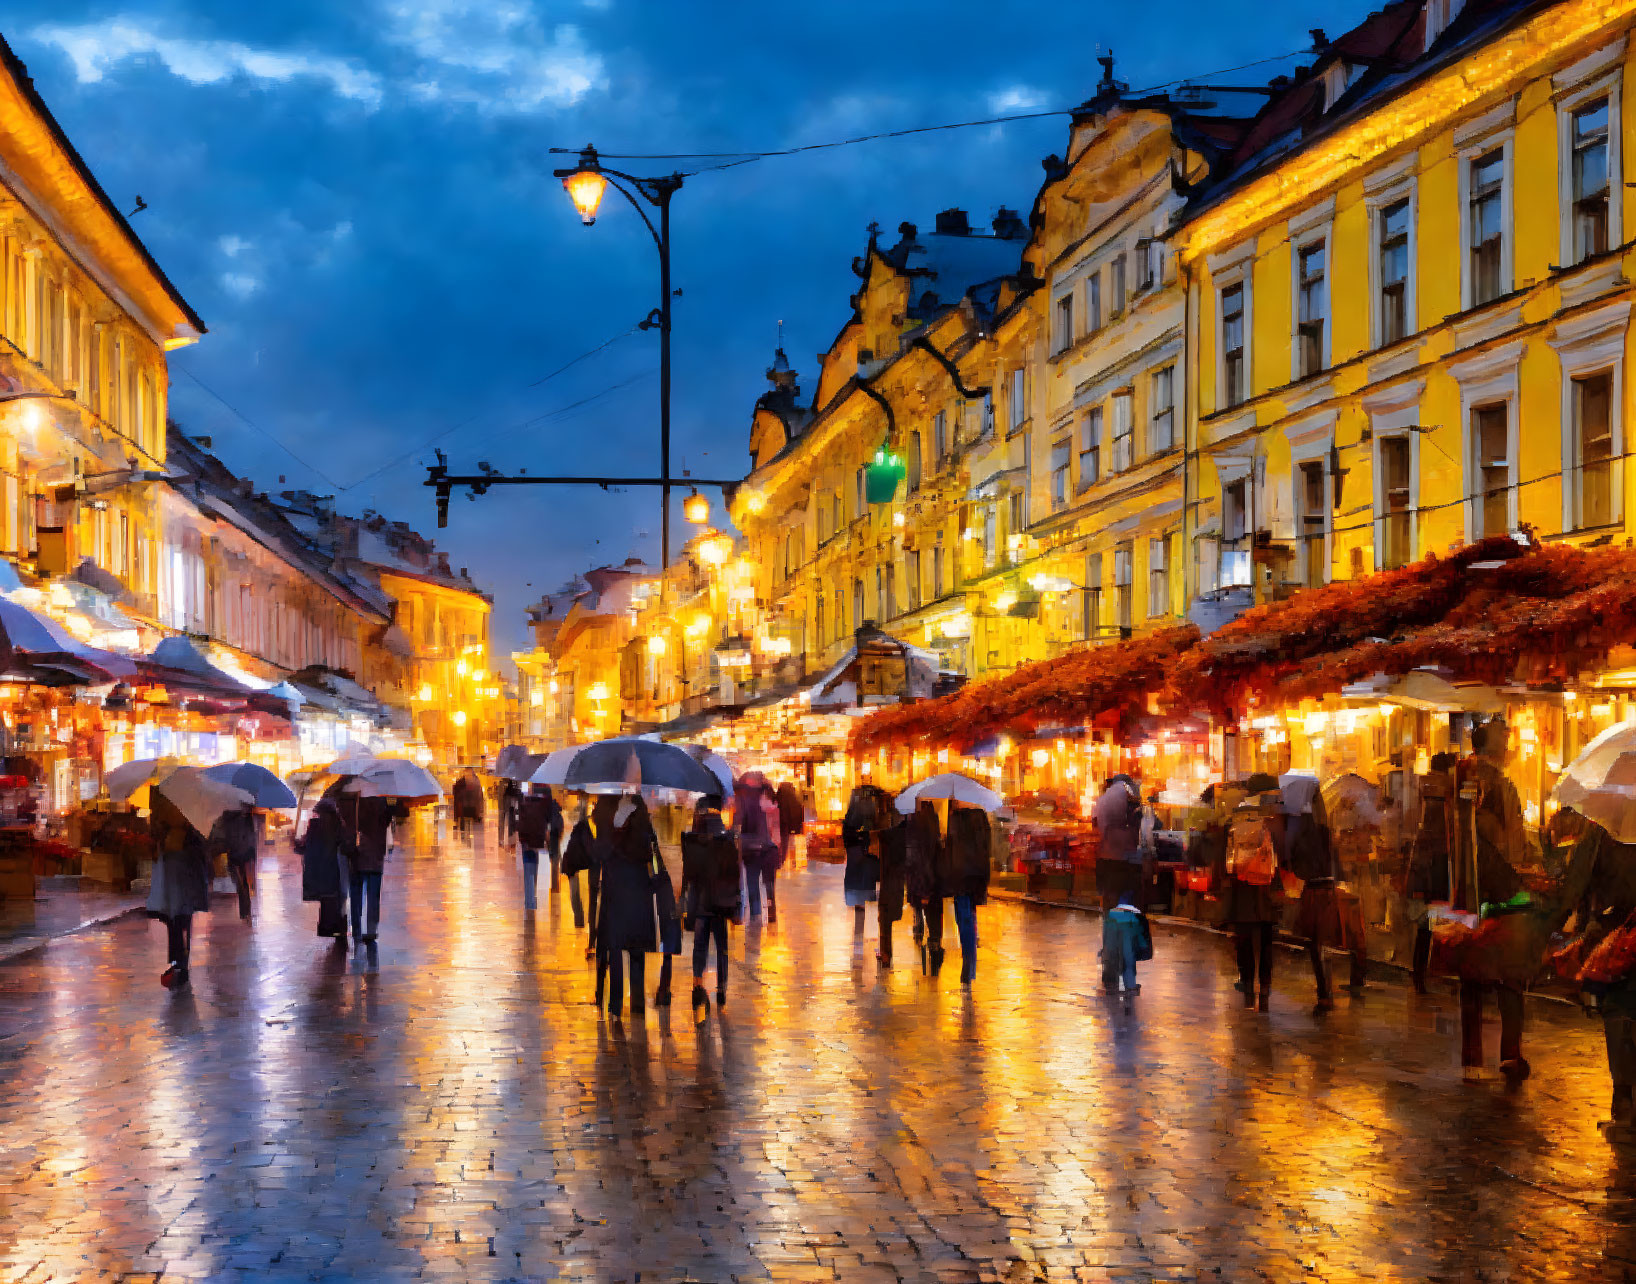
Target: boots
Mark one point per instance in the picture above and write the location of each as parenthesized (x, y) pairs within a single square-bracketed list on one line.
[(701, 1004)]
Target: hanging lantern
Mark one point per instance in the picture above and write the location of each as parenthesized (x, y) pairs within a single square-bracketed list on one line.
[(696, 509), (882, 475)]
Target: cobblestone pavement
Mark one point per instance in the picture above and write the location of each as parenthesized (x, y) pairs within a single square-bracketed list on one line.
[(451, 1106)]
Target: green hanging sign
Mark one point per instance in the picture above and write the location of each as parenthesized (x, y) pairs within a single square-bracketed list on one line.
[(881, 477)]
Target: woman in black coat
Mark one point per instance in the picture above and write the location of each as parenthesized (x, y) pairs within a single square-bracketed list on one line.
[(709, 896), (924, 863), (862, 876), (970, 840), (630, 903), (893, 874), (180, 887), (322, 878)]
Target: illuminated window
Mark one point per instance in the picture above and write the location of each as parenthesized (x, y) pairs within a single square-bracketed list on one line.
[(1122, 573)]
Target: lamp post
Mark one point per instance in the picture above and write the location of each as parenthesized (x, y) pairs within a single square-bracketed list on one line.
[(586, 183)]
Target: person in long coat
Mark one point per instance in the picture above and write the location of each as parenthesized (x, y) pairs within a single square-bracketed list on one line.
[(1119, 859), (235, 837), (630, 905), (537, 826), (1327, 917), (862, 875), (710, 896), (970, 841), (1428, 875), (755, 821), (467, 797), (323, 868), (581, 856), (792, 814), (1247, 879), (893, 875), (369, 822), (924, 865), (180, 887)]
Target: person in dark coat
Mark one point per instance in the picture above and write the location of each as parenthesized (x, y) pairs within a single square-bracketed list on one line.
[(1428, 878), (235, 837), (369, 823), (1328, 916), (581, 856), (970, 839), (180, 887), (467, 797), (755, 821), (923, 881), (628, 929), (1247, 877), (1119, 859), (323, 868), (862, 876), (537, 827), (709, 896), (893, 872), (792, 815), (511, 798)]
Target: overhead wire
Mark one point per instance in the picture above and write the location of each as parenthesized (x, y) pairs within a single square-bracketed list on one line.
[(251, 423)]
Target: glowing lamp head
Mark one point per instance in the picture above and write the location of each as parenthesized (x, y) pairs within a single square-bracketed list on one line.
[(425, 693), (716, 550), (657, 644), (586, 185), (696, 509), (459, 717)]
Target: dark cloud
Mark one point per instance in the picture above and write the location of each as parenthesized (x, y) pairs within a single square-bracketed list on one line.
[(357, 198)]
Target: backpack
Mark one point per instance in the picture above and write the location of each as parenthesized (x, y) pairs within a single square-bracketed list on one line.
[(1251, 857)]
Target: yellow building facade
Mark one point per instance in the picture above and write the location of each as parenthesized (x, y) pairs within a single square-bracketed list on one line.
[(1412, 323)]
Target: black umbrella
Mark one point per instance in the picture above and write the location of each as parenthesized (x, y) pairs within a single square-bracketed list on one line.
[(612, 764)]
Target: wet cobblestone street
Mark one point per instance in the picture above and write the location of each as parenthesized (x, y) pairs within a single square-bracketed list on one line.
[(451, 1106)]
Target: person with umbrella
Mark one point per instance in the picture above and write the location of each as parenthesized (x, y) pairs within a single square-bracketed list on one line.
[(755, 820), (236, 833), (710, 896), (970, 842), (538, 827), (323, 867), (181, 883), (368, 819), (864, 816), (923, 880), (627, 931), (893, 873)]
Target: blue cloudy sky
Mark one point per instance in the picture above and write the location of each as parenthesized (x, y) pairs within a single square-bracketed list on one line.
[(356, 196)]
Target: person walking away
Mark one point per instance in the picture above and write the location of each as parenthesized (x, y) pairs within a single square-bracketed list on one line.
[(792, 816), (1118, 814), (862, 876), (1328, 916), (579, 856), (1250, 867), (923, 882), (710, 899), (323, 868), (970, 843), (755, 819), (628, 931), (535, 814), (1428, 877), (235, 837), (511, 798), (893, 872), (180, 887), (468, 805), (1127, 939), (370, 821)]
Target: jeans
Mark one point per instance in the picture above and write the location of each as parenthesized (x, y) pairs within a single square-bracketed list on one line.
[(616, 980), (965, 923), (758, 871), (531, 877), (1246, 937), (365, 885), (1471, 1022), (1121, 931), (706, 928)]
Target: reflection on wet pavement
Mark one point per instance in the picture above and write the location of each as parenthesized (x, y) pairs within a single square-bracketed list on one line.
[(450, 1105)]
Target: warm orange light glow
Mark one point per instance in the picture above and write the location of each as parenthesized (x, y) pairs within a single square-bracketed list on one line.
[(657, 644), (585, 188), (715, 550), (459, 717), (696, 508)]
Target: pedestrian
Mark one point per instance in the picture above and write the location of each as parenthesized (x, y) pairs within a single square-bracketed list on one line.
[(970, 842), (180, 887), (792, 816), (581, 856), (923, 882), (1127, 939), (627, 931), (1328, 916), (323, 868), (893, 871), (537, 827), (755, 821), (467, 796), (234, 835), (861, 879), (369, 822), (710, 899), (1118, 814), (511, 798), (1428, 878), (1250, 868)]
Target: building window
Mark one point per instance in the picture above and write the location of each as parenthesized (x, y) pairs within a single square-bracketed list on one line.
[(1314, 524), (1593, 443), (1019, 513), (940, 437), (1394, 271), (1158, 575), (911, 577), (861, 494), (840, 612), (1065, 322), (912, 464), (837, 518), (1116, 285), (1122, 430), (1485, 211), (1311, 307), (1093, 302), (1090, 448), (1091, 596), (1235, 535), (881, 613), (1491, 467), (1232, 344), (937, 571), (1590, 180), (1144, 265), (1396, 503), (1122, 585), (1018, 399), (991, 541), (1061, 454), (987, 414), (1162, 411)]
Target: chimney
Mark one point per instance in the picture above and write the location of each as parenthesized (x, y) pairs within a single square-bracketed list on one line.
[(953, 222), (1008, 224)]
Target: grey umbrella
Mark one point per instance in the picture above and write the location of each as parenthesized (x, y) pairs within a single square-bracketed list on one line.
[(267, 789), (629, 763)]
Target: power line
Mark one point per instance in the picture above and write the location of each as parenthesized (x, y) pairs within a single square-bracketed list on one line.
[(250, 423)]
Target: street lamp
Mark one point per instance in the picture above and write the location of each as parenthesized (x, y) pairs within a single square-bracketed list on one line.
[(696, 508), (586, 183)]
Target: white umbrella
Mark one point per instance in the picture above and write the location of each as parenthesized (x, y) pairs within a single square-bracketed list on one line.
[(199, 798), (1611, 806), (397, 778), (125, 779), (953, 786), (353, 763), (554, 770), (1597, 764)]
